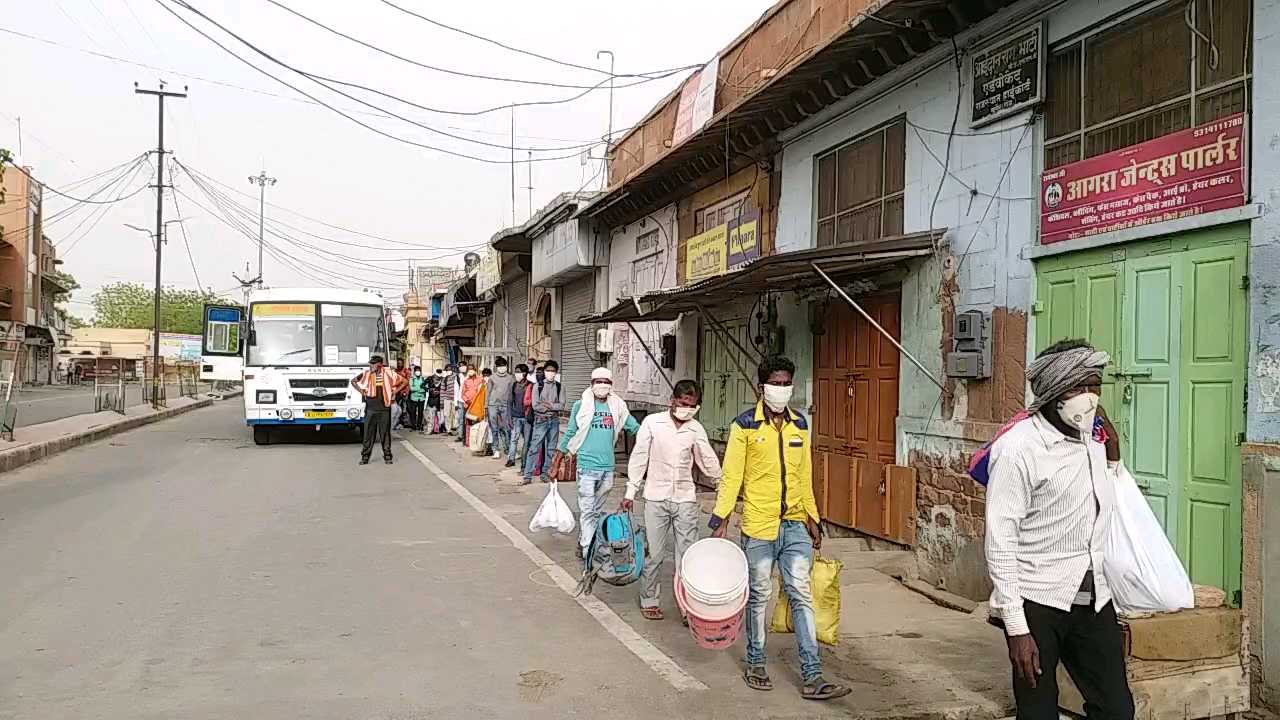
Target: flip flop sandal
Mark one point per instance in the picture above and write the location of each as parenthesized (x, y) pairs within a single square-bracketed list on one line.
[(819, 689), (652, 613), (757, 679)]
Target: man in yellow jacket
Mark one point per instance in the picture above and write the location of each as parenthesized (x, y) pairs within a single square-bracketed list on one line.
[(769, 463)]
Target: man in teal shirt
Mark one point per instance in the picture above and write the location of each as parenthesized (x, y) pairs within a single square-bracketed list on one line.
[(595, 422)]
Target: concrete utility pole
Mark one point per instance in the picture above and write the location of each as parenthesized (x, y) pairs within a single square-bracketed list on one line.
[(160, 94), (529, 187), (513, 166), (262, 181), (608, 137)]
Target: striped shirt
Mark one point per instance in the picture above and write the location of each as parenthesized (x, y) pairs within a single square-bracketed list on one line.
[(1049, 504)]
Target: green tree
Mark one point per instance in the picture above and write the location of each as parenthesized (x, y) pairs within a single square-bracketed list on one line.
[(131, 305), (74, 322)]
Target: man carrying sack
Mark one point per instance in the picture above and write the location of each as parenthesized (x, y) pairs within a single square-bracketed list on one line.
[(379, 387), (768, 460), (1050, 500)]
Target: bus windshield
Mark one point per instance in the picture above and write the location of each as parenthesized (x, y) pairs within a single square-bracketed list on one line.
[(286, 334)]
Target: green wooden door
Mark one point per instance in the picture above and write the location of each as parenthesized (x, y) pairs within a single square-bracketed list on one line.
[(1213, 363), (1146, 369), (1172, 314), (726, 393)]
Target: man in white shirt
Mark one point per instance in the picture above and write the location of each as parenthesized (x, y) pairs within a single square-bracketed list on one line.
[(1049, 504), (667, 447)]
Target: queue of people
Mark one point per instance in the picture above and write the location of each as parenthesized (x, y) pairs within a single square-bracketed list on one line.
[(1049, 501)]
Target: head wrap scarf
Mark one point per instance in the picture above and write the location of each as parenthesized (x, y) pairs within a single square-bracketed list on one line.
[(1053, 374)]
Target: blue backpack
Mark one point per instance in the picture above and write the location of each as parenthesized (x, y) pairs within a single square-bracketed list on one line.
[(616, 554)]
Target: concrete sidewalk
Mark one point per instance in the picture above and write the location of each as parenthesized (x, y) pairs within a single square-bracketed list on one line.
[(903, 655), (35, 442)]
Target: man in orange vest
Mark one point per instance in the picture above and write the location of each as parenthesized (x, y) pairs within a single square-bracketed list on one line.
[(379, 386)]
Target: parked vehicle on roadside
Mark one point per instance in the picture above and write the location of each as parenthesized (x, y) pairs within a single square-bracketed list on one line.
[(296, 350)]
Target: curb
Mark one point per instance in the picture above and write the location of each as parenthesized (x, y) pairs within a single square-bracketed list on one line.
[(27, 454)]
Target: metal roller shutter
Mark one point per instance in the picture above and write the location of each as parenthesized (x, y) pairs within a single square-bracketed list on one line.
[(578, 342), (518, 317)]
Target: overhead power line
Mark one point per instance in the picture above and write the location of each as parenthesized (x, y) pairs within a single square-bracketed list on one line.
[(399, 243), (305, 101), (56, 191), (522, 51), (344, 114), (460, 73), (329, 82)]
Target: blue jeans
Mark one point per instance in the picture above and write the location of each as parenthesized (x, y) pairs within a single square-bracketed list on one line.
[(793, 553), (499, 427), (518, 430), (543, 439), (593, 491)]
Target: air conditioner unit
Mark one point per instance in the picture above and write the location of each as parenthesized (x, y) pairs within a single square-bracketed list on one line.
[(604, 340)]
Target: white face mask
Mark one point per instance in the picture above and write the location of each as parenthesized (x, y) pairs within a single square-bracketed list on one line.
[(776, 397), (1079, 412), (501, 371), (462, 369), (520, 376), (601, 390), (549, 376), (417, 373), (684, 414)]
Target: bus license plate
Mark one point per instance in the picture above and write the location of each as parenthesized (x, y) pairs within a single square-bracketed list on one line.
[(316, 414)]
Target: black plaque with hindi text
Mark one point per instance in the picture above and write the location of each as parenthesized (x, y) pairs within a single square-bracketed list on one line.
[(1008, 75)]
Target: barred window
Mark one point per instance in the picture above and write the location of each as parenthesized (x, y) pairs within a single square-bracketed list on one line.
[(860, 188), (1146, 77)]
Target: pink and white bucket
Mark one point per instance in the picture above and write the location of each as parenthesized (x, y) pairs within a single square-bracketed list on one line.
[(711, 590)]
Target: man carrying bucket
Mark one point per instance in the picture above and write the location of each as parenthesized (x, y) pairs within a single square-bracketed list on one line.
[(667, 447), (768, 460)]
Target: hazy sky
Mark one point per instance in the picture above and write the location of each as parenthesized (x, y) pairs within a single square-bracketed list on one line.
[(80, 116)]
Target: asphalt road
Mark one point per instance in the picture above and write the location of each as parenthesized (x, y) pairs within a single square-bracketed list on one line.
[(44, 403), (179, 571)]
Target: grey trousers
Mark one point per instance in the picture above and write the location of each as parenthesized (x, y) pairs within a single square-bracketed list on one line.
[(662, 519)]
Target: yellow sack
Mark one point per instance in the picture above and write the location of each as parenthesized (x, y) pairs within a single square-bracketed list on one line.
[(824, 583)]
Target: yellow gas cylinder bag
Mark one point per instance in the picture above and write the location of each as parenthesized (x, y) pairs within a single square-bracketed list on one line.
[(824, 583)]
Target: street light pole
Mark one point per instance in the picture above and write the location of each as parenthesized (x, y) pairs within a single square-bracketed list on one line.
[(262, 181), (160, 95)]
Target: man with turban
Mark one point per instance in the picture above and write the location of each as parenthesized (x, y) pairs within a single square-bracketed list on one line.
[(1049, 500)]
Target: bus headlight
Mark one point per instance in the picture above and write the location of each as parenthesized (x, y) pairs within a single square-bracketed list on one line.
[(286, 414), (266, 397), (353, 413)]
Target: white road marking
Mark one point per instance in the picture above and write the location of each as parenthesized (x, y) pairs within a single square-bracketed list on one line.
[(665, 667)]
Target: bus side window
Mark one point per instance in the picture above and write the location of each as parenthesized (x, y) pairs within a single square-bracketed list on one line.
[(222, 330)]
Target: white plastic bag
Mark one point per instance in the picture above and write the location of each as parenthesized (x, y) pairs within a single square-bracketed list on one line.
[(475, 437), (1141, 567), (553, 513)]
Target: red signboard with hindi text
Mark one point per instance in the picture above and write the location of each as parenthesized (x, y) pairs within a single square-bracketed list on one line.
[(1193, 171)]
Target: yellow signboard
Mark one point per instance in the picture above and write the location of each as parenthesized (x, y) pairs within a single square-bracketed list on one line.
[(706, 255), (715, 251), (743, 242), (284, 310)]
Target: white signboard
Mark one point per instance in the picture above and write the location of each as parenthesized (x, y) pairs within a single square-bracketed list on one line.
[(697, 102), (489, 274)]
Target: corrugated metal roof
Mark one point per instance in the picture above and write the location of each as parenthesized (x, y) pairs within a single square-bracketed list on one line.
[(786, 271)]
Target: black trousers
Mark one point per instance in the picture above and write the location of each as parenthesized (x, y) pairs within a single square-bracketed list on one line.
[(414, 408), (377, 426), (1090, 647)]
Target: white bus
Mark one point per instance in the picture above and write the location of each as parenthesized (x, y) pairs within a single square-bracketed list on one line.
[(296, 351)]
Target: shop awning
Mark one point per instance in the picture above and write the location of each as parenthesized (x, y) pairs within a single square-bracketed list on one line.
[(785, 271)]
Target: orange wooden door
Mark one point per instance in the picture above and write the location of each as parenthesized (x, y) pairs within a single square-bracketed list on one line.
[(855, 412)]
